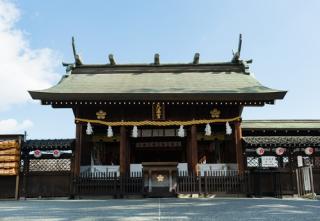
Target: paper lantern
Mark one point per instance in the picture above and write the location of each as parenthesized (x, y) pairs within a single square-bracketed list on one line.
[(280, 151), (260, 151)]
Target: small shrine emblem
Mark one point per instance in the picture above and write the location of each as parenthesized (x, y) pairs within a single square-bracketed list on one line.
[(158, 111), (101, 115), (160, 178), (215, 113)]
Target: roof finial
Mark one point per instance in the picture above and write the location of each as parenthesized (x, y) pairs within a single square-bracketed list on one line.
[(196, 58), (111, 59), (156, 59), (77, 58), (236, 56)]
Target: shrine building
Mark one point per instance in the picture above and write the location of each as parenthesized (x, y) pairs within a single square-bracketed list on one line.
[(164, 129)]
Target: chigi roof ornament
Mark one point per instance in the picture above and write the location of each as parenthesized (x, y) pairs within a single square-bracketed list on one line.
[(156, 59), (236, 56), (76, 56), (111, 59), (77, 59), (196, 58)]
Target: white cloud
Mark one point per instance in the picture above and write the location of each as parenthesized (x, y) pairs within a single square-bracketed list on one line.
[(10, 126), (21, 67)]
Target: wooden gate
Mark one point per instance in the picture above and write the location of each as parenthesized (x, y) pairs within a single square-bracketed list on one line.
[(305, 184), (228, 182), (103, 184), (46, 177)]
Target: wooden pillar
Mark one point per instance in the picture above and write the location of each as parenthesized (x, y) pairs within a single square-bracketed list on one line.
[(123, 148), (17, 189), (77, 149), (194, 148), (238, 145), (128, 152)]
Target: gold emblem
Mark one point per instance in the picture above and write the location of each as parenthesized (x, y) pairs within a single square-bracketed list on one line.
[(160, 178), (158, 111), (101, 115), (215, 113)]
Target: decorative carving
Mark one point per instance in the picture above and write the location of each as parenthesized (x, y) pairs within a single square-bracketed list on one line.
[(158, 111), (160, 178), (215, 113), (101, 115)]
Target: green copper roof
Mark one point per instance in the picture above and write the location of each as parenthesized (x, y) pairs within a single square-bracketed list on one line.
[(282, 141), (48, 144), (163, 82), (280, 124)]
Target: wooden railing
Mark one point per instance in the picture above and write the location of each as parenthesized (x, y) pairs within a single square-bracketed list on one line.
[(229, 182), (109, 184)]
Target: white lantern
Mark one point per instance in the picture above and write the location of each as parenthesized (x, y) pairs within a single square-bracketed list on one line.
[(260, 151), (37, 153), (309, 150), (280, 151), (56, 153)]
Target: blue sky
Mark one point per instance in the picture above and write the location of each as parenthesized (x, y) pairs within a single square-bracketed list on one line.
[(282, 38)]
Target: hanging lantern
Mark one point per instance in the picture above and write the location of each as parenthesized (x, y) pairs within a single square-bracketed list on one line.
[(110, 132), (260, 151), (37, 153), (280, 151), (135, 131), (181, 131), (228, 128), (56, 153), (207, 130), (309, 150), (89, 130)]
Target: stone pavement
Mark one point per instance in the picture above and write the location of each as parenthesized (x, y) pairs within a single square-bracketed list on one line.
[(161, 209)]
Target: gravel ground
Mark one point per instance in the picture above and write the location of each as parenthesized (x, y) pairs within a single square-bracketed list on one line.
[(161, 209)]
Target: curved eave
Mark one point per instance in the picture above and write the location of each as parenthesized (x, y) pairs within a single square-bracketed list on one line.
[(47, 96)]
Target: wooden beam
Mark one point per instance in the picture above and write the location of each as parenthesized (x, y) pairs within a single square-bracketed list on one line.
[(238, 145), (123, 148), (77, 149), (16, 195), (194, 148)]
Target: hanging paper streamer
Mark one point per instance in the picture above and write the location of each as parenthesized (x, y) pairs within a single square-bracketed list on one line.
[(181, 131), (135, 131), (228, 129), (89, 130), (110, 132), (207, 130)]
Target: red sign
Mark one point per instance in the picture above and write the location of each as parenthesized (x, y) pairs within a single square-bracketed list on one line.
[(56, 153), (260, 151), (280, 151), (309, 150), (37, 153)]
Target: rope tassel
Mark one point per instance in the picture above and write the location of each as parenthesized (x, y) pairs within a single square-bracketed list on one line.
[(207, 130), (181, 131), (228, 129), (89, 129), (135, 132), (110, 132)]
